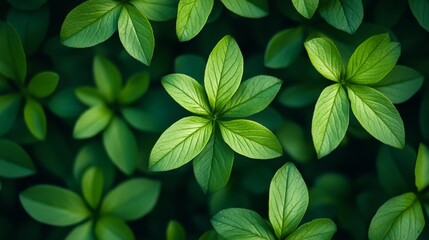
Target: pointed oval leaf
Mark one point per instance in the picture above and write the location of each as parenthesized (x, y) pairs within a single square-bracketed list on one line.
[(132, 199), (401, 217), (92, 186), (250, 139), (113, 229), (239, 223), (318, 229), (136, 34), (135, 87), (422, 168), (54, 205), (419, 8), (89, 96), (156, 10), (92, 121), (83, 231), (377, 115), (14, 161), (192, 15), (180, 143), (306, 8), (107, 78), (175, 231), (325, 57), (345, 15), (43, 84), (284, 48), (247, 8), (35, 119), (90, 23), (9, 107), (12, 59)]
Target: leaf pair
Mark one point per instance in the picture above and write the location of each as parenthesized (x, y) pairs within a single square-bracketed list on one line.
[(203, 137), (288, 201)]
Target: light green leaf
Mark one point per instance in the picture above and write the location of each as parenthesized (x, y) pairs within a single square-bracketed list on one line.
[(288, 200), (243, 224), (156, 10), (14, 161), (9, 106), (113, 229), (121, 145), (283, 48), (345, 15), (373, 59), (401, 217), (250, 139), (107, 78), (54, 205), (422, 168), (223, 72), (420, 9), (92, 121), (212, 166), (253, 96), (306, 8), (135, 87), (175, 231), (90, 23), (13, 64), (35, 119), (377, 115), (247, 8), (132, 199), (136, 34), (192, 15), (89, 96), (187, 92), (325, 57), (43, 84), (330, 119), (83, 231), (318, 229), (400, 84), (92, 186)]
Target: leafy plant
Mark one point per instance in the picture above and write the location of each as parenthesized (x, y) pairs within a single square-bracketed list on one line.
[(14, 161)]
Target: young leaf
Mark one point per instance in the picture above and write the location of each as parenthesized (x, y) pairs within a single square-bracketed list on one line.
[(14, 161), (288, 200), (330, 119), (250, 139), (325, 57), (318, 229), (253, 96), (212, 166), (9, 106), (192, 15), (373, 59), (54, 205), (419, 8), (239, 223), (92, 186), (283, 48), (175, 231), (135, 87), (83, 231), (89, 96), (223, 72), (306, 7), (132, 199), (35, 119), (90, 23), (92, 121), (345, 15), (377, 115), (136, 34), (43, 84), (113, 228), (187, 92), (107, 78), (180, 143), (156, 10), (422, 168), (247, 8), (13, 64), (401, 217)]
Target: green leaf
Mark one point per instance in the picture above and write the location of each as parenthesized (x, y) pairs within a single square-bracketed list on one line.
[(211, 235), (9, 106), (139, 119), (191, 65), (284, 48), (192, 15), (121, 145), (247, 8), (156, 10), (113, 229), (288, 200), (92, 121), (253, 96), (400, 84), (419, 8), (13, 64), (180, 143), (318, 229), (90, 23), (35, 119), (14, 161), (422, 168), (136, 34), (43, 84), (299, 96), (132, 199), (401, 217), (27, 4), (89, 96), (250, 139), (107, 78), (377, 115), (306, 8), (212, 166), (325, 57), (92, 186), (175, 231), (54, 205), (83, 231), (345, 15), (223, 72), (135, 87), (373, 59), (239, 223), (187, 92), (330, 119)]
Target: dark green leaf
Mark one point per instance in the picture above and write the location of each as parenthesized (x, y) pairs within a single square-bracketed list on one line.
[(89, 96), (13, 64), (107, 78), (175, 231), (345, 15), (211, 235), (294, 141), (140, 119), (92, 121), (9, 106), (247, 8), (35, 119), (92, 186), (318, 229), (156, 10), (14, 161), (419, 8), (422, 168), (306, 8), (65, 104), (27, 4), (299, 96), (113, 229), (83, 231), (135, 87), (192, 15), (284, 47), (191, 65), (43, 84)]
